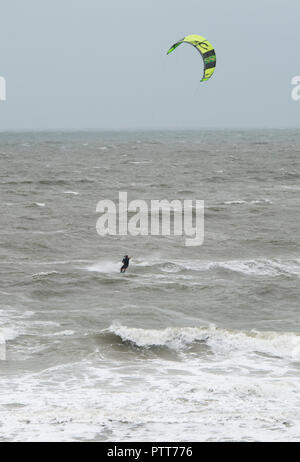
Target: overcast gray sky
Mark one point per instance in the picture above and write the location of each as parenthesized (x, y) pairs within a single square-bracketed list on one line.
[(102, 64)]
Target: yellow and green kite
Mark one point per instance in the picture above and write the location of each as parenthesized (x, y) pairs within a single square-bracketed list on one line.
[(205, 48)]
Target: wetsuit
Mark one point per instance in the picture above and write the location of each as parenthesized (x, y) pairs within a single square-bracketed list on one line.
[(125, 262)]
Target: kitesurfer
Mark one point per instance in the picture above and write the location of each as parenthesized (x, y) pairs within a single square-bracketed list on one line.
[(125, 262)]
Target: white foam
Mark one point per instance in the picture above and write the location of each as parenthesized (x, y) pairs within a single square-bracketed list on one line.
[(235, 394), (174, 337), (292, 188), (220, 340), (261, 201), (234, 202), (105, 267), (263, 267), (251, 267), (150, 400), (170, 268), (259, 267), (64, 333), (44, 273), (2, 346), (254, 201)]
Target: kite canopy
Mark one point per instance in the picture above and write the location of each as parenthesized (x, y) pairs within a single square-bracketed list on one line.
[(205, 48)]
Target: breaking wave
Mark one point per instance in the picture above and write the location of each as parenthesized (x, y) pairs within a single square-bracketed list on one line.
[(284, 345)]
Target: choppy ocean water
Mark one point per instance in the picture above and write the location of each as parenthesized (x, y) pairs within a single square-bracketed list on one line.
[(192, 343)]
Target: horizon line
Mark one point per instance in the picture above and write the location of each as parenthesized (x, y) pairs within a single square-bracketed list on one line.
[(140, 129)]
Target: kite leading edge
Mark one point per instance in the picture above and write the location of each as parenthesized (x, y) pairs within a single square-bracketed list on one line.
[(206, 50)]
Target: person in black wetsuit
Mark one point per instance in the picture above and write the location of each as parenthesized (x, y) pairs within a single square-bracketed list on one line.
[(125, 262)]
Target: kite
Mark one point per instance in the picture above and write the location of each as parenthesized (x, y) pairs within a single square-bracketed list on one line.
[(206, 50)]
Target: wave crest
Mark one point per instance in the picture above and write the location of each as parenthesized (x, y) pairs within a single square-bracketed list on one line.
[(221, 341)]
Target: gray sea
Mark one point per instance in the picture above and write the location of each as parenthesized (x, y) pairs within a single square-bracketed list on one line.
[(194, 343)]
